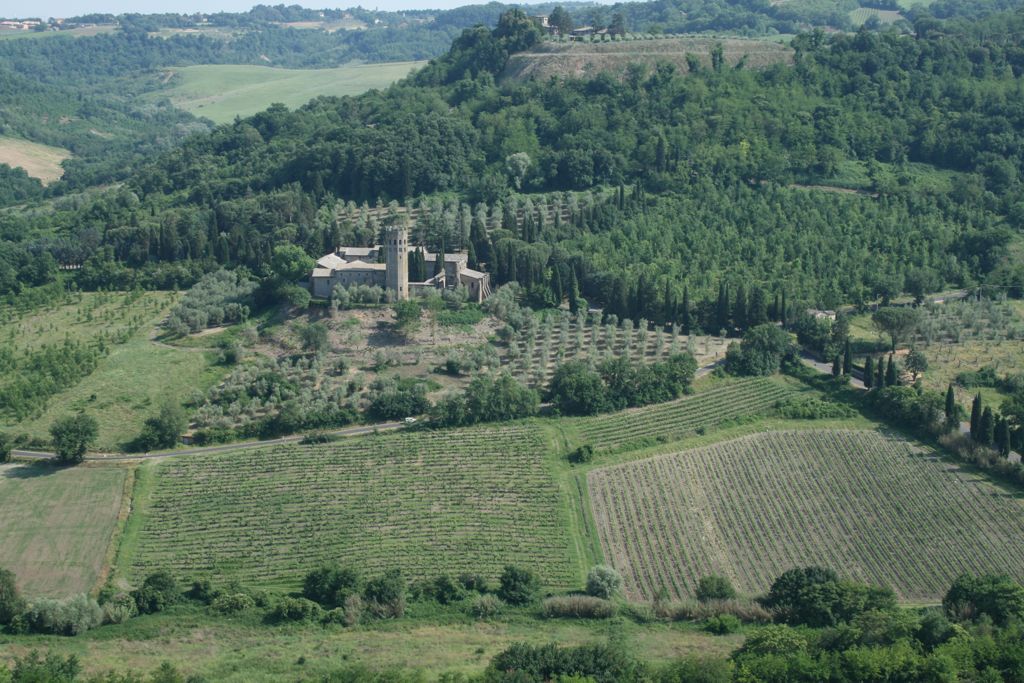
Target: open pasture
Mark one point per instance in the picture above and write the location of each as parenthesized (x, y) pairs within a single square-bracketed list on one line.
[(873, 507), (663, 422), (39, 161), (426, 502), (58, 525), (221, 92)]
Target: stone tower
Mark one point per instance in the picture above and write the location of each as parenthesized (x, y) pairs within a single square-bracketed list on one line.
[(396, 249)]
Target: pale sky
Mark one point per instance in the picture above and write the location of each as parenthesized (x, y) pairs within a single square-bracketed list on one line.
[(69, 8)]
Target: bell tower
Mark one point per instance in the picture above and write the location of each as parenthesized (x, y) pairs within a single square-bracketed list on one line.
[(396, 248)]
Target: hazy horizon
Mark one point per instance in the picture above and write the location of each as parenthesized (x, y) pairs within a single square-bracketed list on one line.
[(71, 8)]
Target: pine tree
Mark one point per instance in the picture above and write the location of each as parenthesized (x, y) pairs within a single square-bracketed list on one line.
[(869, 372), (686, 309), (891, 379), (976, 410), (837, 366), (951, 416), (847, 359), (987, 429), (1002, 439)]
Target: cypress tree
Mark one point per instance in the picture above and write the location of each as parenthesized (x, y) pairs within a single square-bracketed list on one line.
[(976, 410), (869, 372), (439, 260), (773, 312), (847, 359), (1003, 437), (950, 407), (987, 430), (686, 309), (837, 367), (574, 292), (669, 308), (783, 312), (891, 379), (556, 286), (757, 311), (880, 374), (739, 309), (722, 309)]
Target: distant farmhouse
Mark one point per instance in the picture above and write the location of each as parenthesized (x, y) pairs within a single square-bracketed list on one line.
[(361, 266)]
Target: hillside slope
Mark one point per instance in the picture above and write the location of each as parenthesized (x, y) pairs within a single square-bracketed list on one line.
[(586, 60)]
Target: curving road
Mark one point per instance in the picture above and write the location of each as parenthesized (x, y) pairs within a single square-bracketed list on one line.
[(113, 457)]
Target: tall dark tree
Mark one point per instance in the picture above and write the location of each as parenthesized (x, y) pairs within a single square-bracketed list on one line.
[(556, 285), (891, 377), (976, 410), (686, 309), (837, 366), (722, 309), (951, 411), (869, 372), (847, 358), (739, 308), (987, 427), (574, 292), (1002, 437), (757, 312), (783, 313), (880, 374)]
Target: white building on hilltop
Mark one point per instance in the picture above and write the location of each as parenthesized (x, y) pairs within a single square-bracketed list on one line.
[(361, 266)]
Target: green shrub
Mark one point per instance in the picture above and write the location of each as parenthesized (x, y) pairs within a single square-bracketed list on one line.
[(474, 582), (67, 617), (518, 586), (330, 585), (295, 609), (577, 607), (202, 591), (334, 616), (486, 606), (446, 590), (997, 596), (232, 603), (159, 591), (11, 604), (582, 455), (715, 588), (603, 582), (119, 608), (722, 624), (386, 594)]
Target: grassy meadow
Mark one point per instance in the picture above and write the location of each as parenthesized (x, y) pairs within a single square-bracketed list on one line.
[(129, 383), (39, 161), (221, 92), (58, 525)]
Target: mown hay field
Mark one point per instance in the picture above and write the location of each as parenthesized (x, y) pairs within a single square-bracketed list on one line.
[(427, 503), (871, 506), (57, 525), (39, 161), (220, 92)]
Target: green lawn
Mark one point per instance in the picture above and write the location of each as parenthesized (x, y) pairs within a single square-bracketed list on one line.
[(222, 92), (57, 525)]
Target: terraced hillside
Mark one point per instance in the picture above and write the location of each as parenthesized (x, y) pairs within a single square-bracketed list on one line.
[(871, 506), (663, 422), (586, 60), (427, 502)]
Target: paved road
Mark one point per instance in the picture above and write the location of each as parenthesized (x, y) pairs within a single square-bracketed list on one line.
[(113, 457)]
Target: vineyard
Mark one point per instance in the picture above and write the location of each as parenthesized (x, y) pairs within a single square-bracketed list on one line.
[(536, 350), (872, 507), (428, 503), (731, 400)]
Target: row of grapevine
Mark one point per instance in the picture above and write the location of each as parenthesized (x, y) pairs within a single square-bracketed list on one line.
[(873, 507), (427, 502), (734, 399)]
